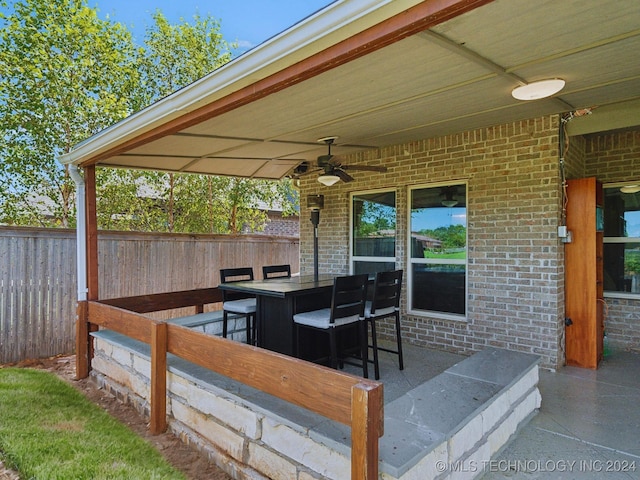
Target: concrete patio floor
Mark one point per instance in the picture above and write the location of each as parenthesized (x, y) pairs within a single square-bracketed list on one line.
[(588, 426)]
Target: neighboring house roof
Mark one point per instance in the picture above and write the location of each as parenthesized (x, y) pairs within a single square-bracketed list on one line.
[(378, 73), (382, 233), (426, 240)]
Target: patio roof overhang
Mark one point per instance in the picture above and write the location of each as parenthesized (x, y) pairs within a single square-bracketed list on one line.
[(377, 73)]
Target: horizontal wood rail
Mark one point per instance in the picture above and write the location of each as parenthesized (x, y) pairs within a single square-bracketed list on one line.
[(123, 321), (345, 398), (167, 301)]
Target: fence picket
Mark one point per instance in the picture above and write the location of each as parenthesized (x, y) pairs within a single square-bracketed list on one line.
[(38, 287)]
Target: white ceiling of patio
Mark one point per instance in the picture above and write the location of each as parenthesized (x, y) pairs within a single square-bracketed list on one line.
[(453, 77)]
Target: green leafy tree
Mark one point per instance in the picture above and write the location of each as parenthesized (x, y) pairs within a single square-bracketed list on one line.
[(64, 75), (174, 56), (632, 262), (451, 236), (190, 203), (374, 217)]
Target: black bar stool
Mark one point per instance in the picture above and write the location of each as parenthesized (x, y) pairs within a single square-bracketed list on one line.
[(237, 302)]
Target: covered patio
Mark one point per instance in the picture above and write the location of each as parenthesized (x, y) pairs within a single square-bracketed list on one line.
[(423, 89)]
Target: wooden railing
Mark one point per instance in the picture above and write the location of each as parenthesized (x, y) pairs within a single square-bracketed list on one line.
[(345, 398)]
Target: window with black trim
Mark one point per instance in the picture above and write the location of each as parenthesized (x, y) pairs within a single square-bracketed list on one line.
[(438, 245), (621, 240), (373, 231)]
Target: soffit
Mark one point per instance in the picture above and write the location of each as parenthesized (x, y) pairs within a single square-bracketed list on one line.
[(456, 76)]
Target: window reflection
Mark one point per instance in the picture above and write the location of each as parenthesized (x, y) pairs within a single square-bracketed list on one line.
[(439, 288), (622, 241), (438, 246), (373, 232)]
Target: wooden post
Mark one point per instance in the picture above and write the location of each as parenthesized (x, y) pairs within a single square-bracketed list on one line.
[(82, 341), (584, 274), (158, 420), (92, 232), (367, 426)]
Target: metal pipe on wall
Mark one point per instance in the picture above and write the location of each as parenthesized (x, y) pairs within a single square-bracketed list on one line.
[(81, 233)]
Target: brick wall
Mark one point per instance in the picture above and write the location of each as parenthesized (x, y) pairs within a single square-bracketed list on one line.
[(515, 260), (279, 226), (615, 157)]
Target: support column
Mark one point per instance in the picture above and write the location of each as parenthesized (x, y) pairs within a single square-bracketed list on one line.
[(84, 341), (158, 396), (367, 426)]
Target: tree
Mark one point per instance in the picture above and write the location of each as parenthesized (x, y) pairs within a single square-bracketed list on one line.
[(64, 75), (374, 217), (451, 236), (158, 202), (174, 56)]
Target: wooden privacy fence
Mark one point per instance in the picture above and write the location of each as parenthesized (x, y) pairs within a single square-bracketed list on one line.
[(353, 401), (37, 293), (38, 288)]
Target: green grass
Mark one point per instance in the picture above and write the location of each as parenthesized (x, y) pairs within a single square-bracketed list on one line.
[(48, 430), (447, 255)]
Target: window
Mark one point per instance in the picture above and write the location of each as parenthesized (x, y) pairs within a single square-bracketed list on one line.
[(373, 231), (621, 242), (438, 244)]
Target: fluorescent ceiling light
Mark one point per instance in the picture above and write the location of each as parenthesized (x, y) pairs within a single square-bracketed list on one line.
[(539, 89), (328, 180)]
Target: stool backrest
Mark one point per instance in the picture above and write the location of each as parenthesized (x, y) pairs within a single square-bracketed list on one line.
[(276, 271), (235, 275), (349, 296), (386, 291)]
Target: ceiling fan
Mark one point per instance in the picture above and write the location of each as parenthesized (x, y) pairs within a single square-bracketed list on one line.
[(333, 170)]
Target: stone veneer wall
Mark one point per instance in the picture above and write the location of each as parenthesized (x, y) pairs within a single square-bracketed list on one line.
[(248, 435), (515, 276), (615, 157)]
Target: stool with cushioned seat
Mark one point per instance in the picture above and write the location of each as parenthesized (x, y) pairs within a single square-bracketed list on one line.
[(238, 302), (347, 309), (385, 303)]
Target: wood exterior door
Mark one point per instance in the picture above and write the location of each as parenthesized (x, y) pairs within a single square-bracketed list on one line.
[(584, 273)]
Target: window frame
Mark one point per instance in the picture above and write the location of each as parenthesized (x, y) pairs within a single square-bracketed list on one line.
[(353, 258), (410, 261), (623, 240)]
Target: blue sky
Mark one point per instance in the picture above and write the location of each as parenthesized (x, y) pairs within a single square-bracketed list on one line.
[(247, 22), (432, 218)]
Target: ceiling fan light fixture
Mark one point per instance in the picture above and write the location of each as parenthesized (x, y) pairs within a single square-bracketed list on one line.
[(328, 180), (328, 140), (538, 90), (449, 203), (630, 189)]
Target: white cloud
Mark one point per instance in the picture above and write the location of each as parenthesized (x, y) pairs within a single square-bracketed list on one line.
[(245, 44)]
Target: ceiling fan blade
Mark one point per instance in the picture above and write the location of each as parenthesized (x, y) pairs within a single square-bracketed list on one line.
[(308, 172), (326, 160), (368, 168), (344, 176)]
